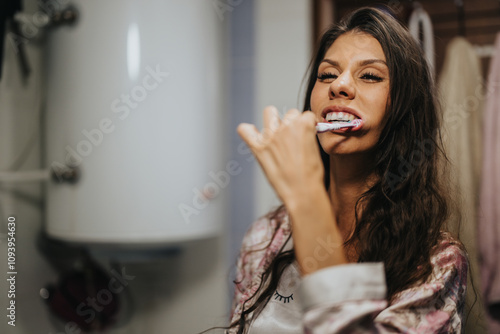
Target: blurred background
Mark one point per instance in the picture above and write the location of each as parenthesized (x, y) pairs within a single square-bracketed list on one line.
[(127, 188)]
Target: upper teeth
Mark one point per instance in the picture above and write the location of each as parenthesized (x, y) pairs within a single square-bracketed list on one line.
[(339, 116)]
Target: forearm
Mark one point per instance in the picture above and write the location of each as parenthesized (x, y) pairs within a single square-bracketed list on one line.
[(317, 240)]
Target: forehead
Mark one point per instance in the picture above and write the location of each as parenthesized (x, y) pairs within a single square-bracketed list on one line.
[(355, 46)]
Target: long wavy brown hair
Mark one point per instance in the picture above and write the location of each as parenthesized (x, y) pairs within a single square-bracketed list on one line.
[(404, 211)]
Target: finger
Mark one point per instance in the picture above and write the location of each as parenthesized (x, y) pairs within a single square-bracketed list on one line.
[(290, 115), (250, 134), (271, 119), (310, 118)]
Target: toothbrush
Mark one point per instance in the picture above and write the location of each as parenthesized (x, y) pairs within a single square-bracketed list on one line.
[(324, 127)]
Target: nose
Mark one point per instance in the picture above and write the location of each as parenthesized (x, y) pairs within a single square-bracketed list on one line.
[(342, 87)]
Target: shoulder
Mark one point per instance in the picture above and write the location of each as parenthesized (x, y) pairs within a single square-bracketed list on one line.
[(259, 244), (449, 257), (448, 276), (261, 232), (436, 305)]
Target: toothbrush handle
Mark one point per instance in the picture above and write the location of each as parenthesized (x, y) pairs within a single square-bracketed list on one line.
[(323, 127)]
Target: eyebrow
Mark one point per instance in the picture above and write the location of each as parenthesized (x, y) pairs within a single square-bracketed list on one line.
[(360, 63)]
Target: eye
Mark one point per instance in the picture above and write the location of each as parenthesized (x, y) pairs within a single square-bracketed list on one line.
[(282, 298), (371, 77), (326, 76)]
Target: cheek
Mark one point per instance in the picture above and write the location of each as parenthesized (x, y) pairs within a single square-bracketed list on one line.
[(315, 100), (381, 104)]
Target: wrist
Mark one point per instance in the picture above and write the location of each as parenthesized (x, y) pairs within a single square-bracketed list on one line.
[(306, 197)]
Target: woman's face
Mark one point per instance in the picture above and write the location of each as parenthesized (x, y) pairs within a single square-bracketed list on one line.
[(353, 82)]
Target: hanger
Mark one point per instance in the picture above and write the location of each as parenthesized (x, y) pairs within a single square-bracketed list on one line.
[(484, 51), (420, 26)]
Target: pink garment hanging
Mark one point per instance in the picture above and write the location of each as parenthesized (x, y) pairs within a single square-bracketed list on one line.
[(489, 207)]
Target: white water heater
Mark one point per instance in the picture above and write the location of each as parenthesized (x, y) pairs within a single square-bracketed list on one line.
[(134, 102)]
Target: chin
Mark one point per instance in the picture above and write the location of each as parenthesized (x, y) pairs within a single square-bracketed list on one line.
[(344, 148), (339, 150), (336, 145), (345, 145)]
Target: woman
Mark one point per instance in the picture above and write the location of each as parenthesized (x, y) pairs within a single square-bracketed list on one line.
[(358, 244)]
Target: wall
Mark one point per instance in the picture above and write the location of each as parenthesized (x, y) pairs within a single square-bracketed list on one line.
[(241, 109), (283, 51), (270, 43)]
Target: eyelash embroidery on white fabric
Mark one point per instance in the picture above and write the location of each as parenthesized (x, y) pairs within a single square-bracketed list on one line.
[(283, 298)]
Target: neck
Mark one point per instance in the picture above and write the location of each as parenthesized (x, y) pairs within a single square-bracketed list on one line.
[(350, 177)]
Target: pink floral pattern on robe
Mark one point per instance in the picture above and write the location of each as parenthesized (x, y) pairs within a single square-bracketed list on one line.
[(435, 306)]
